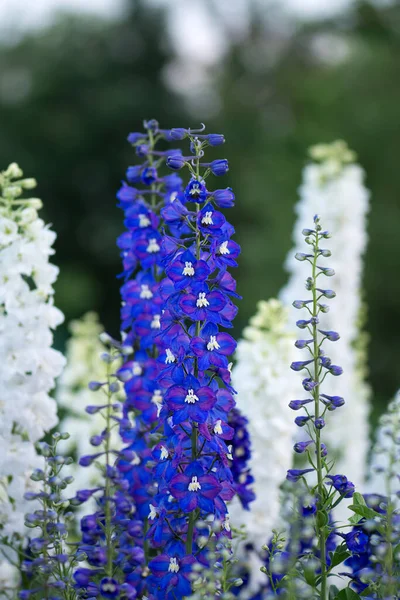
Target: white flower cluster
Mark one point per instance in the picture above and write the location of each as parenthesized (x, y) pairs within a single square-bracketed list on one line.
[(28, 363), (84, 364), (385, 456), (265, 388), (333, 187)]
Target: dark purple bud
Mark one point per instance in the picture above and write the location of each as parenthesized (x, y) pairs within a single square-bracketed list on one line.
[(302, 323), (215, 139), (88, 459), (319, 423), (307, 232), (219, 167), (95, 385), (332, 402), (301, 421), (340, 482), (177, 133), (301, 447), (301, 303), (142, 150), (309, 384), (296, 474), (176, 162), (325, 361), (297, 404), (300, 364), (151, 124), (96, 440), (332, 336), (324, 450), (335, 370), (133, 138), (224, 198), (114, 387), (133, 174), (300, 344)]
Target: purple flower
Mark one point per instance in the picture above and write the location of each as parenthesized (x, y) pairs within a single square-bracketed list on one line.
[(191, 401), (219, 167), (224, 198), (213, 347), (195, 488), (186, 271), (296, 474), (203, 304), (172, 571), (196, 192), (342, 485)]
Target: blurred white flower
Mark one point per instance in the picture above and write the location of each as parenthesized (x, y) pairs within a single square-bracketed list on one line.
[(28, 363), (333, 187)]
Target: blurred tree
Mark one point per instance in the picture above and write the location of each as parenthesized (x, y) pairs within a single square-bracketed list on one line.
[(69, 96)]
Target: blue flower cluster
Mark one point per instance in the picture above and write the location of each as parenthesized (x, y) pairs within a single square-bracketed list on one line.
[(177, 300)]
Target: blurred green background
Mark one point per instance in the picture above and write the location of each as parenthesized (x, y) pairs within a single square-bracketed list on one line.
[(70, 94)]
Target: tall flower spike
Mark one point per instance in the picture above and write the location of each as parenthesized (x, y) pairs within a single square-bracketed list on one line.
[(193, 455), (107, 538), (329, 490), (264, 392), (147, 193), (83, 352), (28, 365), (333, 187)]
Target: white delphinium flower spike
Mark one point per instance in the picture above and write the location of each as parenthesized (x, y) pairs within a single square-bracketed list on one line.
[(264, 392), (333, 186), (28, 363), (84, 365), (385, 456)]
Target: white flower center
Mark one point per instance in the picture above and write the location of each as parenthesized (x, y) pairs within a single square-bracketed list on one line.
[(226, 523), (217, 427), (188, 269), (137, 369), (145, 292), (136, 459), (144, 220), (170, 357), (213, 344), (155, 324), (191, 397), (153, 512), (223, 249), (195, 190), (173, 197), (153, 246), (164, 453), (202, 300), (207, 219), (229, 455), (109, 587), (157, 397), (173, 565), (194, 485)]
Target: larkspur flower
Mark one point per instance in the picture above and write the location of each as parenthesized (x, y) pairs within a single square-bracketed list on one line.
[(29, 364), (333, 186)]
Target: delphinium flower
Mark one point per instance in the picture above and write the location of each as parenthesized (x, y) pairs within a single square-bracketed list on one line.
[(333, 186), (48, 562), (28, 365), (107, 534), (192, 455), (149, 190), (327, 490), (83, 352), (264, 391), (374, 539)]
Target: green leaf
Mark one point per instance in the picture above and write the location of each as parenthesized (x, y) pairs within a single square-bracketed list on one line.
[(359, 499), (347, 594), (364, 511), (355, 519), (333, 592), (339, 556), (310, 577)]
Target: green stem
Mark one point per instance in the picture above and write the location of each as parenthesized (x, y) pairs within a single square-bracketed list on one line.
[(320, 529)]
